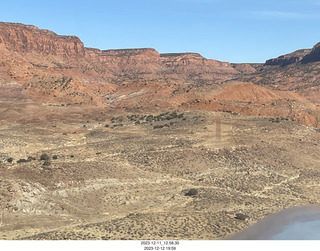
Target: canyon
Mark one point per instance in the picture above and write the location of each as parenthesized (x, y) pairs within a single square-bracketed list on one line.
[(57, 69), (137, 144)]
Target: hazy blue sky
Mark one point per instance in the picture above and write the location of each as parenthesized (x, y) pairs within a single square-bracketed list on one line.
[(227, 30)]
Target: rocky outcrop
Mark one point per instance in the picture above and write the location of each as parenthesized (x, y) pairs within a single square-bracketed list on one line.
[(313, 56), (183, 61), (194, 68), (244, 68), (28, 39), (142, 60), (290, 58)]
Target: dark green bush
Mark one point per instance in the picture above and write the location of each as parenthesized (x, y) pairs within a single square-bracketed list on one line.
[(10, 160)]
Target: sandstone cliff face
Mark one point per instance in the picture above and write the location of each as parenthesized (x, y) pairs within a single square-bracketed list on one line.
[(244, 68), (113, 66), (290, 58), (144, 61), (193, 68), (303, 56), (313, 56), (27, 39), (181, 62)]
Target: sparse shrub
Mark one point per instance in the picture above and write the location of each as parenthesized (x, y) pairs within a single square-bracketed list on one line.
[(47, 162), (241, 216), (22, 161), (117, 119), (174, 115), (117, 125), (277, 120), (106, 125), (30, 158), (191, 192), (158, 126), (44, 156), (10, 160), (71, 156), (54, 157), (157, 118), (149, 118)]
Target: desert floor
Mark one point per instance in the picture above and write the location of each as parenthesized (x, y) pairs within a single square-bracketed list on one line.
[(148, 174)]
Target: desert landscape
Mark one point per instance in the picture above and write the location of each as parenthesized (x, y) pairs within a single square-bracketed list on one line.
[(134, 145)]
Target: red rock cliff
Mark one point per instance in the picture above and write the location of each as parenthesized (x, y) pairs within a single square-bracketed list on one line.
[(144, 59), (113, 65), (28, 39)]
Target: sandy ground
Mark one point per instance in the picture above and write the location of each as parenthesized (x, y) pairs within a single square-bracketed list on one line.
[(172, 175)]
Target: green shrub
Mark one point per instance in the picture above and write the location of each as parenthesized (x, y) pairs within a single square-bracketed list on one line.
[(10, 160)]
